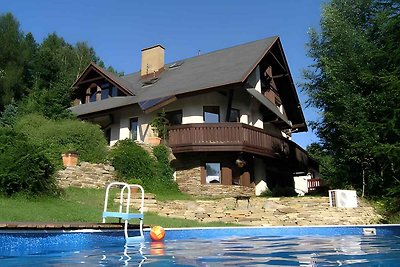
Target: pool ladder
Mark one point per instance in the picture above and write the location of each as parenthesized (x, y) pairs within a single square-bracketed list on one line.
[(126, 216)]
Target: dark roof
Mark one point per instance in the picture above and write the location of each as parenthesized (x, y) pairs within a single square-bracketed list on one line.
[(218, 68), (222, 67)]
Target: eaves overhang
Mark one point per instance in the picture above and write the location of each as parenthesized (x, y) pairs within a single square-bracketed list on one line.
[(269, 105)]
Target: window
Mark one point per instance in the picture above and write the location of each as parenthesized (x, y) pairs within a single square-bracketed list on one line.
[(93, 94), (213, 173), (211, 114), (133, 128), (105, 91), (174, 117), (116, 92), (235, 115), (107, 134)]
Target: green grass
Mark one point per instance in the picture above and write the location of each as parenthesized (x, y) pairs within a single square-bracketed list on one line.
[(76, 205), (388, 209), (165, 196)]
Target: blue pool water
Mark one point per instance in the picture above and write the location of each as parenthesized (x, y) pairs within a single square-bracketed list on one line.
[(261, 246)]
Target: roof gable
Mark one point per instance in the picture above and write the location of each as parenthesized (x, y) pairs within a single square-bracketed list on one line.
[(85, 77)]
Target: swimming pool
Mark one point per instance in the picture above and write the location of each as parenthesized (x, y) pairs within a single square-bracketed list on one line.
[(377, 245)]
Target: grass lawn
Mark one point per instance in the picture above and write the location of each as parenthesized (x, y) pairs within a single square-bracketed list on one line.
[(76, 205)]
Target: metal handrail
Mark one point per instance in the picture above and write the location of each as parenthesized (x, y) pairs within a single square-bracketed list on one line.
[(125, 215)]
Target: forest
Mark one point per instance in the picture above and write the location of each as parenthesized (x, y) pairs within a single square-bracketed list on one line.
[(354, 82)]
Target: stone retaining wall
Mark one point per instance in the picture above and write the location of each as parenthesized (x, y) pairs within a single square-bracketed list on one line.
[(189, 182), (86, 175), (260, 211)]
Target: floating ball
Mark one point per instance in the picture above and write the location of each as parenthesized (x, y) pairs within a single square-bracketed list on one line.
[(157, 233)]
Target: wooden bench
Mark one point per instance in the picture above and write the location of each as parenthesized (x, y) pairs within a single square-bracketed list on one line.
[(242, 197)]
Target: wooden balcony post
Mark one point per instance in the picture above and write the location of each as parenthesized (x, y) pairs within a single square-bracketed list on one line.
[(226, 176), (245, 179)]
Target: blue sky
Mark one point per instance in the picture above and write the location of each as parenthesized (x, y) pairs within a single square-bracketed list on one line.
[(118, 30)]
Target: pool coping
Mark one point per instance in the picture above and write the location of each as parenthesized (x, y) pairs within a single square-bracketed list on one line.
[(65, 226), (34, 227)]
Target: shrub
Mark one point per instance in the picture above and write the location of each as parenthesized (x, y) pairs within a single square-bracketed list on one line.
[(283, 191), (23, 167), (60, 136), (9, 115), (131, 161), (164, 172)]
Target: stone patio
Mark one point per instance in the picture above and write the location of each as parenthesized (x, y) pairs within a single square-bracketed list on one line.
[(261, 211)]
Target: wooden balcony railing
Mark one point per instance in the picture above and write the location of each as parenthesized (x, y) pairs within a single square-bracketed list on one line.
[(205, 137)]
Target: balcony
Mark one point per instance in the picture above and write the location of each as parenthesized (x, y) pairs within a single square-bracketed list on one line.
[(237, 137)]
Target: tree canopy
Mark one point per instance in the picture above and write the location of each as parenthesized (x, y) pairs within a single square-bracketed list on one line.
[(39, 75), (355, 83)]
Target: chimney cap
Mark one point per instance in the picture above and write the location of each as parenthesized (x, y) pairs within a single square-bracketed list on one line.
[(153, 46)]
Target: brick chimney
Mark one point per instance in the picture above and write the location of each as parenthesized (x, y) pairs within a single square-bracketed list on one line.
[(152, 61)]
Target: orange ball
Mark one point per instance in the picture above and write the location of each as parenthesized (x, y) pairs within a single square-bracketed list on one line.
[(157, 233)]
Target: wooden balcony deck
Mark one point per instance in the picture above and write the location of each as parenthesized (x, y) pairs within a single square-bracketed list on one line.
[(237, 137)]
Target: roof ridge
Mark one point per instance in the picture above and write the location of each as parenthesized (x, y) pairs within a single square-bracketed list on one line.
[(211, 52)]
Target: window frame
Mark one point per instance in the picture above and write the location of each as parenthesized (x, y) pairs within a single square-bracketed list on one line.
[(136, 119), (238, 115), (211, 112), (169, 114), (209, 180)]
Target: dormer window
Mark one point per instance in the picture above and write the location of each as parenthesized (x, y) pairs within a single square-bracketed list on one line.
[(105, 91), (93, 94), (175, 65)]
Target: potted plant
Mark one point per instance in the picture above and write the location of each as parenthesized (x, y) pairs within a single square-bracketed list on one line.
[(70, 158), (135, 181), (160, 126)]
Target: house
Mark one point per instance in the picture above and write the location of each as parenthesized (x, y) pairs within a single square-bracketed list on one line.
[(231, 114)]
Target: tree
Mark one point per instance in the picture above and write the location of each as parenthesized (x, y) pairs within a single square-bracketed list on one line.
[(16, 52), (354, 82), (56, 66)]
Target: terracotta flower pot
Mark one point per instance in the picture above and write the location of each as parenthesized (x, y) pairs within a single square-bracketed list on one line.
[(70, 159), (154, 140)]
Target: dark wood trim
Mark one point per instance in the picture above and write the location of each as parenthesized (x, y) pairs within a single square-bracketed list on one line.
[(236, 137), (245, 179), (161, 104), (226, 176), (90, 80), (259, 60), (280, 76), (202, 175), (277, 61), (293, 88), (229, 106)]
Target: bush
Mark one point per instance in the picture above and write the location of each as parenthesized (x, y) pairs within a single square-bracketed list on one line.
[(164, 172), (283, 191), (60, 136), (23, 167), (131, 161)]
